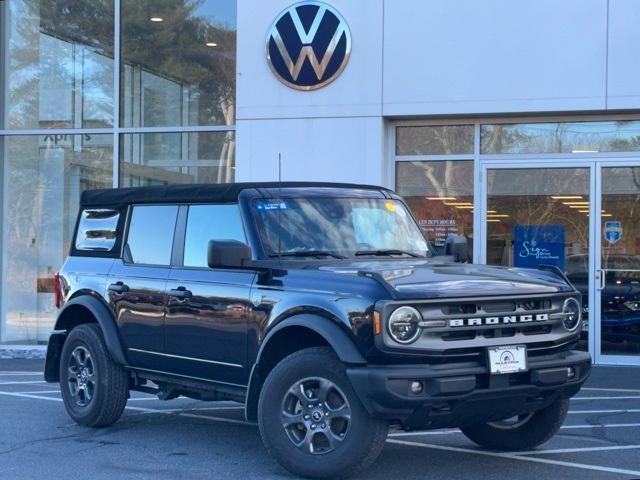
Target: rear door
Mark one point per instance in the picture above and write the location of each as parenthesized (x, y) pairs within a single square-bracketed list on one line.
[(137, 283), (208, 309)]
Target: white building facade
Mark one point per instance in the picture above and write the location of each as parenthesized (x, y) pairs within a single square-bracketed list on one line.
[(516, 124)]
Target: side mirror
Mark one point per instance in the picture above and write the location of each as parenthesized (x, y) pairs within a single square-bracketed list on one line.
[(227, 254), (456, 246)]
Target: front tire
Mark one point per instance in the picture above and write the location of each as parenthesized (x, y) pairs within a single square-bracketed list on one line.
[(311, 420), (524, 432), (94, 388)]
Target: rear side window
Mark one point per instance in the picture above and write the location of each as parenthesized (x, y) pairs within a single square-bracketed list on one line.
[(150, 237), (210, 222), (97, 230)]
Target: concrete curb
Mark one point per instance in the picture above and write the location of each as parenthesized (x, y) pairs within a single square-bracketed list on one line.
[(23, 351)]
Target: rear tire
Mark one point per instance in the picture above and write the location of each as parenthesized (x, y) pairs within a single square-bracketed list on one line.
[(524, 433), (94, 388), (311, 420)]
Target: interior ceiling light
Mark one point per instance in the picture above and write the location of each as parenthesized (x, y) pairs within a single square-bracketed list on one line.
[(583, 211), (584, 151), (578, 206), (497, 215), (492, 211), (441, 198), (211, 44), (458, 204), (492, 220), (606, 215), (156, 19), (575, 203), (566, 197), (465, 207)]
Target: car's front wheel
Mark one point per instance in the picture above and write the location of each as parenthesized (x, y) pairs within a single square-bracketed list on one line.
[(523, 432), (94, 388), (312, 421)]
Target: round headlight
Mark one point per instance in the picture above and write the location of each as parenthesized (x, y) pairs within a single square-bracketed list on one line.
[(403, 324), (572, 313)]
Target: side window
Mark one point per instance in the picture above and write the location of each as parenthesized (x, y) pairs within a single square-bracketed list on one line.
[(150, 238), (210, 222), (97, 230)]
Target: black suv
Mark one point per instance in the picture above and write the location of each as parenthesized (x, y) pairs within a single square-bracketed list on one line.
[(321, 307)]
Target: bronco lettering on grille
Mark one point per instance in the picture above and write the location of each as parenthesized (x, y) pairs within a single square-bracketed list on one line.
[(504, 320)]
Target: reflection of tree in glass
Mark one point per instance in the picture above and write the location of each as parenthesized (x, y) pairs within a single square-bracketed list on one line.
[(88, 23), (176, 49)]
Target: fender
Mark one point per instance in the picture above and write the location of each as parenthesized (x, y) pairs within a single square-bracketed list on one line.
[(336, 337), (105, 319)]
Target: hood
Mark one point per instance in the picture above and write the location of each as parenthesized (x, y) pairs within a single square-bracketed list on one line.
[(425, 278)]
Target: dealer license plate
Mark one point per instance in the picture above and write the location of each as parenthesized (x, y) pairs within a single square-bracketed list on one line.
[(509, 359)]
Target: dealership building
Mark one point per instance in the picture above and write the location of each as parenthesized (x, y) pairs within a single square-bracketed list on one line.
[(516, 124)]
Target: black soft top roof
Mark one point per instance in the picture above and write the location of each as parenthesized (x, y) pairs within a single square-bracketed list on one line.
[(215, 193)]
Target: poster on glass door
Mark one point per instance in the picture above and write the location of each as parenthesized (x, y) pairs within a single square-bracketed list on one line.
[(535, 245)]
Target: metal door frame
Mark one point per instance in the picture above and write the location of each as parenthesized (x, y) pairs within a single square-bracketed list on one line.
[(595, 166), (597, 274)]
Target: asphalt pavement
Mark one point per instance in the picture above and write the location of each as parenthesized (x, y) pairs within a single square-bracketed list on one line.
[(188, 439)]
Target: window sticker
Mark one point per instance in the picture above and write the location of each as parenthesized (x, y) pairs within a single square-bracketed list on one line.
[(390, 207), (267, 205)]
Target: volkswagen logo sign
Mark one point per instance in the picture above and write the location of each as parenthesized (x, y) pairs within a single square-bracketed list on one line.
[(308, 45)]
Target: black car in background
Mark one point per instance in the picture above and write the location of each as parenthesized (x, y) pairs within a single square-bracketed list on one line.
[(620, 300), (320, 307)]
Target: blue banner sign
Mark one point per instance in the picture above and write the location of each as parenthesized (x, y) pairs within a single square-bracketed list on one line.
[(535, 245)]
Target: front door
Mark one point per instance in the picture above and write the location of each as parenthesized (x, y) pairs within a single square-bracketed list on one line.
[(208, 309), (617, 303)]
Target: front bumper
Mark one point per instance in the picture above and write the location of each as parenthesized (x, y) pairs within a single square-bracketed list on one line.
[(457, 394)]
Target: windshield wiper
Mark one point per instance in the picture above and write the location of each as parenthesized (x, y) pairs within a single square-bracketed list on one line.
[(308, 253), (385, 252)]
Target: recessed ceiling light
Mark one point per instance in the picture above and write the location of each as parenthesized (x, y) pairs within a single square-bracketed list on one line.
[(440, 198), (566, 197), (211, 44), (156, 19)]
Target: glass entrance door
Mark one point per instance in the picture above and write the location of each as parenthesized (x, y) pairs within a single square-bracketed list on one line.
[(617, 266), (540, 216)]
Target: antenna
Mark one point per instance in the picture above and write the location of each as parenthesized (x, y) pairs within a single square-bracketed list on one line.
[(279, 207)]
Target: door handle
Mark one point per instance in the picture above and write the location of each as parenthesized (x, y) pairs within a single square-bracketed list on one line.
[(180, 292), (118, 287), (603, 279)]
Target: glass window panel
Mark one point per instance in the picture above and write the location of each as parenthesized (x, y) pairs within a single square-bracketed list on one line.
[(620, 260), (574, 137), (540, 216), (179, 62), (436, 140), (97, 230), (59, 63), (440, 194), (44, 176), (150, 237), (166, 158), (210, 222)]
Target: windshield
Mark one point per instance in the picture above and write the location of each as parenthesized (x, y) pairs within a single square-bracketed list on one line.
[(337, 227)]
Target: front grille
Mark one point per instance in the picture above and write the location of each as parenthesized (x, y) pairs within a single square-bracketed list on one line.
[(469, 326)]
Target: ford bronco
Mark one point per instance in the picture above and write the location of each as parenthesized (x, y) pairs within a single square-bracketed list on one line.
[(321, 307)]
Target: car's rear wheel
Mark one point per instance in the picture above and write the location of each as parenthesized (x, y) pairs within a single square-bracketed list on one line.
[(312, 421), (94, 388), (522, 432)]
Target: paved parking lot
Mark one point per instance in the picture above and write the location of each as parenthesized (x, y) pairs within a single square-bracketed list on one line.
[(188, 439)]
